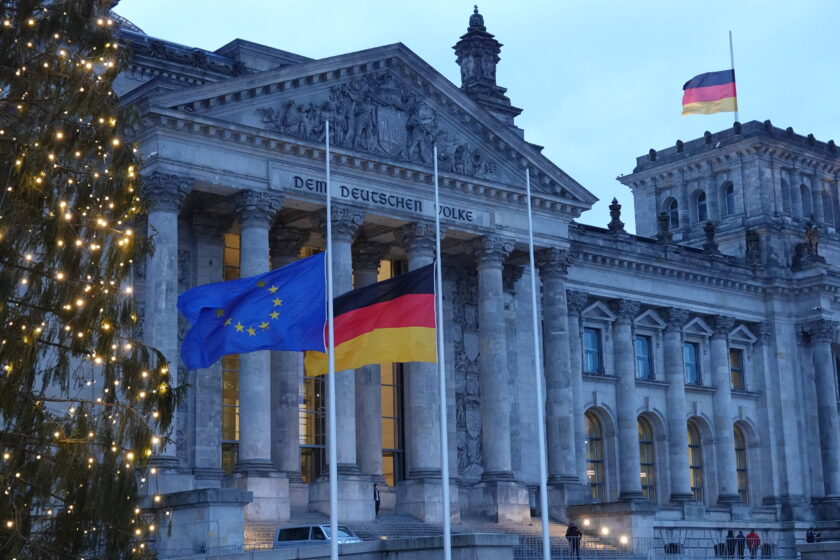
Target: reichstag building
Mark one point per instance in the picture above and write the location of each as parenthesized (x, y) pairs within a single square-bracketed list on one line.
[(690, 369)]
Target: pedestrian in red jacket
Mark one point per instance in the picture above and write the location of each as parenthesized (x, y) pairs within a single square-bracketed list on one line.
[(753, 542)]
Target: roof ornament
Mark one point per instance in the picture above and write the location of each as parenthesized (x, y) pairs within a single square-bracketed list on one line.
[(477, 20)]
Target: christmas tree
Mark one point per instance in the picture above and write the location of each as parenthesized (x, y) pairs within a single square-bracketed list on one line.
[(83, 404)]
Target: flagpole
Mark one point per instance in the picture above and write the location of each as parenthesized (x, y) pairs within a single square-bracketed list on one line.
[(546, 537), (331, 429), (732, 63), (444, 438)]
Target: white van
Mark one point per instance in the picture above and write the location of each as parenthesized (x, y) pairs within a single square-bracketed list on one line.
[(303, 535)]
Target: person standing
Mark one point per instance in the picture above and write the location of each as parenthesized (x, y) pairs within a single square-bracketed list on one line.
[(812, 536), (753, 542), (740, 542), (730, 544), (573, 535), (376, 499)]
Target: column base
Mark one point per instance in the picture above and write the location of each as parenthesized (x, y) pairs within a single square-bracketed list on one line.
[(500, 501), (497, 476), (679, 498), (562, 495), (729, 499), (423, 499), (208, 477), (255, 467), (631, 496), (271, 496), (355, 498), (351, 469), (164, 462), (827, 508)]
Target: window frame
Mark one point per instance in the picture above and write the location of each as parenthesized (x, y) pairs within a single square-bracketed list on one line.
[(729, 198), (672, 208), (741, 463), (695, 461), (701, 202), (737, 371), (647, 450), (596, 465), (598, 351), (698, 379), (648, 360)]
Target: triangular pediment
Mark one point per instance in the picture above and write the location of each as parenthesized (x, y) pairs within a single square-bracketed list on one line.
[(650, 319), (385, 102), (599, 311), (697, 326), (742, 334)]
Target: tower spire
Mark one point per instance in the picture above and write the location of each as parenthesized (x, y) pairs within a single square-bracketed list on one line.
[(477, 54)]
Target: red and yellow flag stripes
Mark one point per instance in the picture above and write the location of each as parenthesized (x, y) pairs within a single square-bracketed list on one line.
[(712, 92), (390, 321)]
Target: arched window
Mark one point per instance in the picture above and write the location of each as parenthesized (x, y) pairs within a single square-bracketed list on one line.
[(786, 205), (728, 198), (595, 457), (695, 462), (647, 466), (828, 208), (702, 209), (807, 203), (673, 211), (741, 465)]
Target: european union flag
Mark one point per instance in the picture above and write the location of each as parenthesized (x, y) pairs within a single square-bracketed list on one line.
[(283, 309)]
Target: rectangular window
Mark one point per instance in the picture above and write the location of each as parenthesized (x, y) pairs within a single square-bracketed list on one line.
[(230, 370), (644, 363), (736, 369), (691, 360), (311, 425), (592, 362)]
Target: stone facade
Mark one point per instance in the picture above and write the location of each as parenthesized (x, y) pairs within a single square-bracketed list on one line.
[(712, 330)]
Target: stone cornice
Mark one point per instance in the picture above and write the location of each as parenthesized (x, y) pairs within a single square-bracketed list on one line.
[(273, 143), (545, 175)]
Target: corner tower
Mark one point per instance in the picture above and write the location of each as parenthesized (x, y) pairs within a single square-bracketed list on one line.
[(478, 54)]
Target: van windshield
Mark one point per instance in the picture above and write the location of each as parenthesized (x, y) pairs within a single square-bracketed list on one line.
[(342, 531)]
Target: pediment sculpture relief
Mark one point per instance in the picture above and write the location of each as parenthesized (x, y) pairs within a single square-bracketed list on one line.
[(377, 114)]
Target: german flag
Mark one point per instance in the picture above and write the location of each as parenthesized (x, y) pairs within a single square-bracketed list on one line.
[(390, 321), (712, 92)]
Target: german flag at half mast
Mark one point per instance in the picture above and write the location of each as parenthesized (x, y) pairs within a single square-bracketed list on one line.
[(390, 321), (712, 92)]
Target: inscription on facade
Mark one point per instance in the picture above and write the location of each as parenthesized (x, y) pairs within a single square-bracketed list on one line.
[(384, 199)]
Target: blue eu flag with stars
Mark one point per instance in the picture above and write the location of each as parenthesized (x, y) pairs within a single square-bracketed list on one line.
[(283, 309)]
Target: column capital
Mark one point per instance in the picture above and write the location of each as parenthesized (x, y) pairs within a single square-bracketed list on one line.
[(553, 261), (677, 318), (722, 326), (166, 192), (627, 309), (511, 274), (417, 237), (490, 249), (257, 208), (285, 241), (577, 301), (210, 224), (821, 330), (367, 255), (345, 222)]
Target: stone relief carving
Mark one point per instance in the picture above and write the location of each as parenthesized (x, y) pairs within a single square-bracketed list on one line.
[(378, 114)]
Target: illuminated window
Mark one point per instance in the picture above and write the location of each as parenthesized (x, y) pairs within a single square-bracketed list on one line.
[(230, 370), (594, 457), (592, 362), (391, 375), (736, 368), (741, 465), (644, 361), (647, 460), (691, 361), (695, 462), (312, 429)]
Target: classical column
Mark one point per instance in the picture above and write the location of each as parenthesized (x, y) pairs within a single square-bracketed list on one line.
[(160, 321), (208, 256), (822, 335), (255, 211), (577, 301), (724, 435), (630, 482), (675, 399), (286, 370), (495, 405), (366, 259), (560, 431), (421, 379)]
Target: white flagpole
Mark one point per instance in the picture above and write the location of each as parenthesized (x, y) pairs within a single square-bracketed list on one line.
[(732, 62), (546, 536), (331, 440), (444, 438)]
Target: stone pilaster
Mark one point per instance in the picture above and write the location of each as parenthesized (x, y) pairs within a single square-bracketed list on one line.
[(577, 301), (628, 424), (724, 436), (366, 259), (499, 497), (166, 193), (677, 421), (206, 384), (822, 336), (286, 370)]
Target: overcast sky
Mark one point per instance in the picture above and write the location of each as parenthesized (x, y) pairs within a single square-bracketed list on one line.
[(600, 82)]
